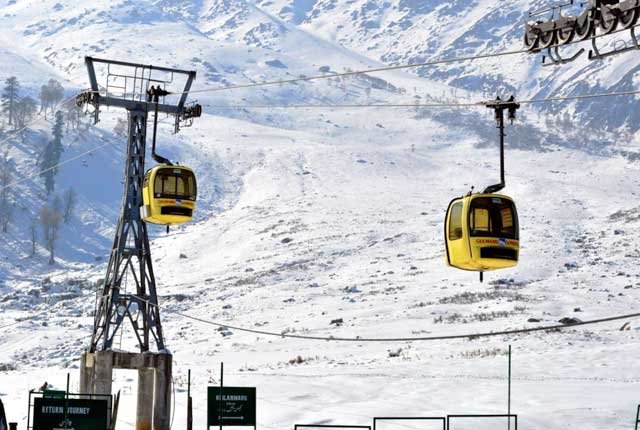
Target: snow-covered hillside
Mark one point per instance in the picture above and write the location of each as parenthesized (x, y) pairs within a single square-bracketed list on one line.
[(311, 215)]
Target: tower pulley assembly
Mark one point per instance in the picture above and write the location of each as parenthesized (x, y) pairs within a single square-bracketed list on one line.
[(599, 18), (481, 230)]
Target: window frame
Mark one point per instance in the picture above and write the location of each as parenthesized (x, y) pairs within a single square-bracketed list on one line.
[(454, 206), (186, 175), (495, 218)]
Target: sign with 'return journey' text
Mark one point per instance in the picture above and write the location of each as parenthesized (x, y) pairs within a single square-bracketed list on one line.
[(81, 414), (237, 406)]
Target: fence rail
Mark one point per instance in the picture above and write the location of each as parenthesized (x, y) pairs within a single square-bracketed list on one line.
[(507, 416), (441, 419), (330, 426)]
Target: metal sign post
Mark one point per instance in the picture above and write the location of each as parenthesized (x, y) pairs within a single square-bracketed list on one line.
[(66, 405), (221, 394), (189, 403), (509, 393)]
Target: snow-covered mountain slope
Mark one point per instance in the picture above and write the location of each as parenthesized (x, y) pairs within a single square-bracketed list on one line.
[(308, 215), (239, 41), (347, 224)]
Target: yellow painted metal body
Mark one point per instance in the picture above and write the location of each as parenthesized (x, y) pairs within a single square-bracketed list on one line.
[(169, 195), (482, 232)]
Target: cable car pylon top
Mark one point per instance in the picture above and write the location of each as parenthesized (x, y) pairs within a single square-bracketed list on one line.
[(599, 18)]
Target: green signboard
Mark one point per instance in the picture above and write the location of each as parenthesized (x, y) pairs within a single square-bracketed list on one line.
[(237, 406), (81, 414), (56, 394)]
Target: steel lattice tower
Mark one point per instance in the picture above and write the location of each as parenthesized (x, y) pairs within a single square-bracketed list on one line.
[(138, 89), (130, 256), (128, 86)]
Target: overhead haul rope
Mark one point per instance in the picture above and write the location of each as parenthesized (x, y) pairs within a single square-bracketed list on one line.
[(337, 75), (390, 68), (13, 133), (43, 313), (383, 69), (400, 339), (432, 105), (382, 339), (410, 339), (362, 72), (425, 105), (62, 163)]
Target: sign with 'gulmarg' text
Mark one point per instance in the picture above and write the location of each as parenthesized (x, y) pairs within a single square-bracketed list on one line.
[(237, 405)]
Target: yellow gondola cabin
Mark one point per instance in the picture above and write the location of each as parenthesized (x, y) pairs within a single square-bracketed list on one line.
[(481, 232), (169, 195)]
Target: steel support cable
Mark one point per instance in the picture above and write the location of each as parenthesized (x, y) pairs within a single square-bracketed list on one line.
[(62, 163), (378, 69), (410, 339), (362, 72), (43, 313), (33, 122), (427, 105), (391, 68), (384, 339), (337, 75), (401, 339), (388, 339), (37, 173), (330, 106)]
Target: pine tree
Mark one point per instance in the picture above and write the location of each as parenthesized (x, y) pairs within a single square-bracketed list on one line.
[(10, 97), (72, 114), (33, 234), (58, 133), (6, 206), (48, 169), (69, 200), (52, 153), (25, 110), (50, 219), (50, 95)]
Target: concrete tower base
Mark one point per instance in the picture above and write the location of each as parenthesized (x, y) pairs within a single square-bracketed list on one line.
[(154, 382)]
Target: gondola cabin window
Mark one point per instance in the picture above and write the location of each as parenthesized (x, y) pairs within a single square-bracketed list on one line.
[(494, 217), (455, 223), (175, 183)]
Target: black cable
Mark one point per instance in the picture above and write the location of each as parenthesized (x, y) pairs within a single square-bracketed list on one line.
[(412, 339), (426, 105), (392, 339), (338, 75), (362, 72), (389, 68)]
